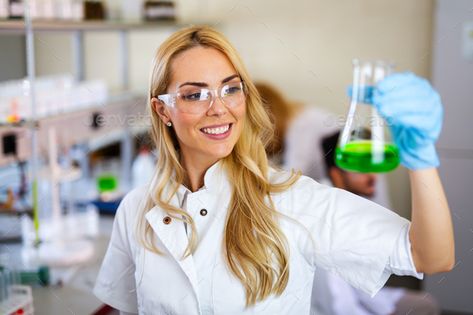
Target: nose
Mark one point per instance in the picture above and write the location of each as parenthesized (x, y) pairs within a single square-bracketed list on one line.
[(216, 107)]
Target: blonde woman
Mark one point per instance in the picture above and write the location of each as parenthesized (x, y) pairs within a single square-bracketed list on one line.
[(218, 231)]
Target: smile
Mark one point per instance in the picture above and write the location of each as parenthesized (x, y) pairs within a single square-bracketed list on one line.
[(217, 132)]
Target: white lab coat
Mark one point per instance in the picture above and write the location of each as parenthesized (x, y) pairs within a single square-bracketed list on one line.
[(328, 228)]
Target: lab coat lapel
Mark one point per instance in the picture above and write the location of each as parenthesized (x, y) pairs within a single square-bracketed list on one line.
[(174, 238)]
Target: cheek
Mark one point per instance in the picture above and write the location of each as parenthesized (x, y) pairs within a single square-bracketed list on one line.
[(240, 116), (355, 180), (184, 124)]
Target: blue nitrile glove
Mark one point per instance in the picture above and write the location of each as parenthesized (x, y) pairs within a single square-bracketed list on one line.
[(414, 112)]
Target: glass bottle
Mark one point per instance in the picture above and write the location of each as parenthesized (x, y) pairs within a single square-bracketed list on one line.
[(365, 143)]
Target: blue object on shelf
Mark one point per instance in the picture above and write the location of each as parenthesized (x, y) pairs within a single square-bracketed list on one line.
[(107, 207)]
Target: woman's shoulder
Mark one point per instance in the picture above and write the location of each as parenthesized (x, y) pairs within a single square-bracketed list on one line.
[(304, 188), (135, 195), (132, 202)]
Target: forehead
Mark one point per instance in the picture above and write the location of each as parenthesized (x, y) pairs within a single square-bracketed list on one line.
[(201, 64)]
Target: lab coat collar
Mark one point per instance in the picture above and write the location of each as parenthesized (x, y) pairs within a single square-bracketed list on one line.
[(174, 238), (215, 179), (173, 234)]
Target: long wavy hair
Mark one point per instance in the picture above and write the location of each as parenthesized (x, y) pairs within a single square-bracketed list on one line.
[(255, 247)]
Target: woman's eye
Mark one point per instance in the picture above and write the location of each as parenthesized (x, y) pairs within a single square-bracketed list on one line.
[(192, 96), (231, 90)]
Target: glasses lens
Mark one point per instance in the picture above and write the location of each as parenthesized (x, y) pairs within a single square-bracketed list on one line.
[(232, 93), (193, 99)]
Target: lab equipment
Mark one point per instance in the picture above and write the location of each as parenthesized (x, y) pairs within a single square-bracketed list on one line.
[(365, 143), (143, 168), (414, 110), (107, 182), (14, 297), (57, 241)]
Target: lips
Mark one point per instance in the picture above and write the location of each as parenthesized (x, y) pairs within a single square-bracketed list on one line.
[(217, 131)]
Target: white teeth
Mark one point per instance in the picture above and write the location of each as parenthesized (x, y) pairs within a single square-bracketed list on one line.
[(216, 131)]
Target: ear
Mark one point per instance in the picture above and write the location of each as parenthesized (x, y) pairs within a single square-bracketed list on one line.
[(160, 108), (336, 176)]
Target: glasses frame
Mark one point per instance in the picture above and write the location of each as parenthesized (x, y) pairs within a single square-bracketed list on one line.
[(169, 99)]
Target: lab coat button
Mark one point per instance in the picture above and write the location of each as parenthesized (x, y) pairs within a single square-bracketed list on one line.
[(167, 220), (203, 212)]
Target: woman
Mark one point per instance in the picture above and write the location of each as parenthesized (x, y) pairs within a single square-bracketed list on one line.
[(220, 232)]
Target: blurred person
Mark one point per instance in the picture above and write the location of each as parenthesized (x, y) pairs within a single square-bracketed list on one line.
[(218, 231), (333, 296), (295, 127)]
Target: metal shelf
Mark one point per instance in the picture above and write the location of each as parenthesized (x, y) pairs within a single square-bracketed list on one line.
[(18, 26), (97, 126)]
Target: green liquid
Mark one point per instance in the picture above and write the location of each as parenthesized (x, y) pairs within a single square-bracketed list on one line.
[(107, 182), (361, 156)]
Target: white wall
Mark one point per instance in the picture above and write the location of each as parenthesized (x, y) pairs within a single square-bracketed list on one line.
[(12, 57), (304, 47), (453, 76)]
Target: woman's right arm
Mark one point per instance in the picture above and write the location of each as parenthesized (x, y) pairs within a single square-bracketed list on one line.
[(356, 239)]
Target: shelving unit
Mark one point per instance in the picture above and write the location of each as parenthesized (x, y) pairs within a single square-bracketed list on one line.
[(18, 26), (125, 107), (77, 29), (99, 126)]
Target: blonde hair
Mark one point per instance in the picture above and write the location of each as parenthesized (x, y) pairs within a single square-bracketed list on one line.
[(255, 247)]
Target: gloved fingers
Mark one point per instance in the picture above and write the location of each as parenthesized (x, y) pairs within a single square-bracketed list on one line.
[(394, 105), (411, 138), (396, 81), (411, 115), (413, 92), (417, 91), (403, 89), (399, 84), (403, 85), (428, 126)]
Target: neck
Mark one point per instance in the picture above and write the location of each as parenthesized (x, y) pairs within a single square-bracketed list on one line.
[(195, 172)]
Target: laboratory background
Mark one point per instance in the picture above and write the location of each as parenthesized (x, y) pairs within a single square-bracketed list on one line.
[(74, 123)]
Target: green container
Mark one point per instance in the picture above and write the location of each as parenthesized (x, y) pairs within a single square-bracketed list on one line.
[(364, 157), (107, 183)]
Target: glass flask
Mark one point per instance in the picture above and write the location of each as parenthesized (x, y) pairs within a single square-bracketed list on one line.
[(365, 144)]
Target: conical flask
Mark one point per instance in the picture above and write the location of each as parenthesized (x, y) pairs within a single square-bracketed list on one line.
[(365, 144)]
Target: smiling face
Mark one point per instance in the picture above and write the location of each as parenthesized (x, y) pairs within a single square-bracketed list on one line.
[(209, 136)]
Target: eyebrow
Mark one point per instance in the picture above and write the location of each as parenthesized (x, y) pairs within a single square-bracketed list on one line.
[(203, 84)]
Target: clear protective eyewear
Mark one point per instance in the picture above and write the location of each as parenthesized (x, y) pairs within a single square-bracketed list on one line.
[(195, 100)]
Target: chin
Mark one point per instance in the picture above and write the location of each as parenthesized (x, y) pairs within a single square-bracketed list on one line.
[(221, 153)]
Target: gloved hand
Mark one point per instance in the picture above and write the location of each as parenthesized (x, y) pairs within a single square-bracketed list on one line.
[(414, 112)]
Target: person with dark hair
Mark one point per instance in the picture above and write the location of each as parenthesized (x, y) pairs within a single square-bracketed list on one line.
[(333, 296), (363, 184)]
